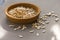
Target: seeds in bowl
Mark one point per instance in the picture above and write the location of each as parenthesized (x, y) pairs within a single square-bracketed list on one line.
[(22, 12)]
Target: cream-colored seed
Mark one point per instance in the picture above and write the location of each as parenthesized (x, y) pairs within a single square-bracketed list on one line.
[(49, 14), (15, 29), (31, 31), (57, 19), (21, 36), (12, 12), (11, 25), (42, 23), (37, 34), (52, 12), (53, 15), (45, 16), (39, 21), (56, 15), (43, 31), (18, 27), (47, 22), (36, 26), (24, 27), (39, 27), (43, 27)]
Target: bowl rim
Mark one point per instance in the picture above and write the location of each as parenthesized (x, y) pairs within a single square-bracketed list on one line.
[(6, 10)]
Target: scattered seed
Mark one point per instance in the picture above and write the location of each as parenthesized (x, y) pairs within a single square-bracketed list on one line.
[(11, 25), (45, 19), (49, 14), (57, 19), (36, 26), (45, 16), (41, 17), (42, 23), (43, 31), (53, 15), (37, 34), (31, 31), (15, 29), (19, 27), (39, 21), (43, 27), (56, 15), (21, 36), (39, 27), (24, 27), (52, 11), (47, 22)]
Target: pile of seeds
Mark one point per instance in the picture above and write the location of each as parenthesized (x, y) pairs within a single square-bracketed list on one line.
[(40, 24), (22, 12)]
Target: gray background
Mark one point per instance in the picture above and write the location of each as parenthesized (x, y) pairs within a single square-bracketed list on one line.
[(45, 5)]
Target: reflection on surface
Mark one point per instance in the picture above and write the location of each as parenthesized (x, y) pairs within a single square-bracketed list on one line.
[(56, 31), (2, 32), (53, 38)]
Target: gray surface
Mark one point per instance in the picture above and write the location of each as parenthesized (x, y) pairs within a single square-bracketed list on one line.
[(45, 5)]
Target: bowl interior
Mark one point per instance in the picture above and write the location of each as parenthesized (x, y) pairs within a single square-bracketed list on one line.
[(24, 5)]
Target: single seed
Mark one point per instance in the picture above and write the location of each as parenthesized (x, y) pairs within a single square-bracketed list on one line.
[(39, 27), (15, 29), (57, 19), (41, 17), (56, 15), (11, 25), (39, 21), (47, 22), (52, 11), (42, 23), (43, 27), (49, 14), (36, 26), (20, 36), (37, 34), (24, 27), (45, 16), (53, 15), (19, 27), (31, 31), (43, 31), (45, 19)]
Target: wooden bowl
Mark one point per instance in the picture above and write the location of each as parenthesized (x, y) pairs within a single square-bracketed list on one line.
[(19, 20)]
